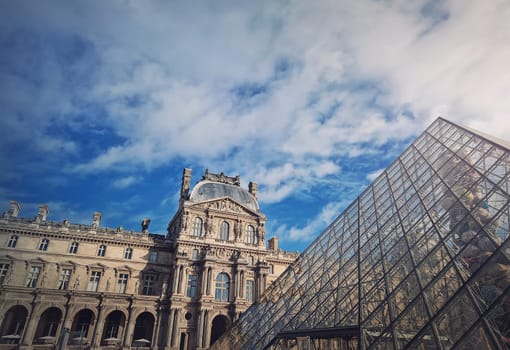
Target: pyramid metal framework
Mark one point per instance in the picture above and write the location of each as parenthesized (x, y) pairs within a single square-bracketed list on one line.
[(420, 260)]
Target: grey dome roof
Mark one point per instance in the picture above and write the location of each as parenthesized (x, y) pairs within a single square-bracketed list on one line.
[(207, 190)]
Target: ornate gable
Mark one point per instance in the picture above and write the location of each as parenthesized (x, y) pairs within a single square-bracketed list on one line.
[(225, 204)]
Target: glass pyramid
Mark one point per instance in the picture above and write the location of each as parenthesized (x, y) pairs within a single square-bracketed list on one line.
[(420, 260)]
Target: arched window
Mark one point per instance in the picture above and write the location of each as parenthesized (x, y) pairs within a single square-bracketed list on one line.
[(81, 325), (114, 326), (144, 327), (222, 287), (197, 227), (48, 324), (224, 230), (14, 323), (250, 235)]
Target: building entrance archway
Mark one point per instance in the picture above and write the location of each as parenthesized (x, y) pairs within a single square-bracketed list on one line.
[(219, 325)]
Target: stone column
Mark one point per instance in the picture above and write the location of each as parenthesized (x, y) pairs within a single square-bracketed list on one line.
[(155, 329), (98, 329), (67, 322), (169, 332), (179, 284), (200, 326), (175, 328), (241, 284), (176, 278), (130, 324), (206, 330), (237, 284), (209, 277), (28, 334)]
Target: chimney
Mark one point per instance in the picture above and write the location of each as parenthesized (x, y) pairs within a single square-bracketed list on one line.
[(185, 184), (253, 188), (273, 243), (96, 219), (14, 209), (42, 213), (145, 225)]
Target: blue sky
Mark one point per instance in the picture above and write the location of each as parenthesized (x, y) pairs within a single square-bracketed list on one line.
[(103, 103)]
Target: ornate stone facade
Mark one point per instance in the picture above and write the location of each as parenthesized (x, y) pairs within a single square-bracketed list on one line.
[(74, 286)]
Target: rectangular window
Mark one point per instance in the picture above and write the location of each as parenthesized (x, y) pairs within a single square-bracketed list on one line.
[(12, 241), (63, 280), (191, 290), (122, 283), (153, 257), (73, 249), (128, 253), (148, 284), (4, 268), (102, 250), (33, 277), (249, 290), (95, 276), (43, 245)]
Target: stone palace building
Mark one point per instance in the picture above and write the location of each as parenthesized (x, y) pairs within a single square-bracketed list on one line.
[(73, 286)]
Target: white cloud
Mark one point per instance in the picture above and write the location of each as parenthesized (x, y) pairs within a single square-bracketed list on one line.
[(125, 182), (373, 175), (314, 226), (338, 79)]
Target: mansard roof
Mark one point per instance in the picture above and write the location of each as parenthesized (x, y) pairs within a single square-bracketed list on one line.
[(215, 186)]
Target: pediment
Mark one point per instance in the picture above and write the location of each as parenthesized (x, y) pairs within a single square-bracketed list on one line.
[(153, 270), (96, 266), (67, 263), (124, 268), (224, 204), (37, 261)]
